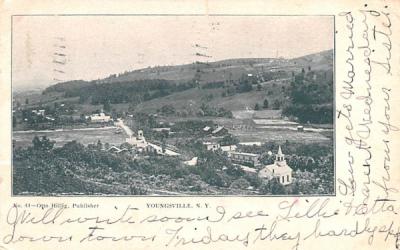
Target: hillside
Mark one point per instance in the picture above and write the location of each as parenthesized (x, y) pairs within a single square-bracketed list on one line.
[(191, 100), (230, 69), (232, 84), (225, 70)]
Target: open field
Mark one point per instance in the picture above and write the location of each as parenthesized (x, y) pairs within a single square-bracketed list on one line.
[(192, 99), (282, 135), (84, 136)]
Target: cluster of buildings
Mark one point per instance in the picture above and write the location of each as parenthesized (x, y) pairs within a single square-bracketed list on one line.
[(249, 162), (39, 112), (42, 112), (141, 145), (219, 130), (279, 170)]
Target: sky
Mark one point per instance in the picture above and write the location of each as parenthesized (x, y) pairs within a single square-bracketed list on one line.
[(50, 49)]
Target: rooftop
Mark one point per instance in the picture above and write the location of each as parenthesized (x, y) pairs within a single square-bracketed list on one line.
[(275, 169), (241, 153), (210, 143), (219, 128)]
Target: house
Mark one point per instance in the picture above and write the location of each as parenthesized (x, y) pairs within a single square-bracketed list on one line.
[(141, 145), (212, 146), (39, 112), (117, 150), (249, 170), (245, 158), (218, 130), (279, 170), (206, 128), (228, 148), (155, 149), (99, 118), (169, 152), (50, 118), (192, 162), (167, 130)]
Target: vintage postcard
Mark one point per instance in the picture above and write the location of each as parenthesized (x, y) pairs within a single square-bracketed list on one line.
[(197, 125)]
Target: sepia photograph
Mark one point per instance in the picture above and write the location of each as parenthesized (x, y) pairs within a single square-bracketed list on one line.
[(173, 105)]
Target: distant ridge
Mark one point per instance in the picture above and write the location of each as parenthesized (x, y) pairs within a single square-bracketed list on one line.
[(205, 72)]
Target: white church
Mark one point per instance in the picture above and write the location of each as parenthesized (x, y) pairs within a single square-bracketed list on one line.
[(140, 143), (279, 170)]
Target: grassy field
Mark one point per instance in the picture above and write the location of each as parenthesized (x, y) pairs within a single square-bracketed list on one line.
[(193, 98), (257, 114), (84, 136), (261, 135)]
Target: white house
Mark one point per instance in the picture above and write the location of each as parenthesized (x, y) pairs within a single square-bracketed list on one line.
[(206, 129), (279, 170), (229, 148), (212, 146), (192, 162), (249, 170), (100, 117)]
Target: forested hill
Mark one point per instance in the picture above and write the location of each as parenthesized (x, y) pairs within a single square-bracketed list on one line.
[(301, 87), (230, 70)]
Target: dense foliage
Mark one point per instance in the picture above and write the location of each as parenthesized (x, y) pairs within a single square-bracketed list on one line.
[(120, 92), (311, 97), (75, 168)]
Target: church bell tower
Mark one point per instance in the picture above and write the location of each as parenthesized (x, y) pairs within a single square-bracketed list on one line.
[(280, 158)]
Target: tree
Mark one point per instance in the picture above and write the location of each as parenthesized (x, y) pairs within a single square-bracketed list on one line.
[(132, 107), (107, 106), (99, 145), (42, 144), (228, 140), (257, 107), (311, 98), (265, 104), (276, 104), (163, 145), (240, 183), (82, 117), (272, 187), (276, 187), (168, 109)]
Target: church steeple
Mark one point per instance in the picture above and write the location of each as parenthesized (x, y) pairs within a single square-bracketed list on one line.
[(280, 151), (280, 157)]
